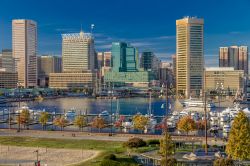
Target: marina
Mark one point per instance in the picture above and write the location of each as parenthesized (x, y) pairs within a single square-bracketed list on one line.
[(121, 111)]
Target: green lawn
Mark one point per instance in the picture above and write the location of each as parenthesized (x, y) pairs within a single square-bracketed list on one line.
[(106, 147)]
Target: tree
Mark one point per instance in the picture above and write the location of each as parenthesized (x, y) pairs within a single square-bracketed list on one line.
[(223, 162), (80, 122), (166, 145), (170, 162), (24, 118), (60, 122), (201, 125), (167, 150), (186, 124), (99, 123), (43, 119), (140, 122), (135, 143), (239, 138)]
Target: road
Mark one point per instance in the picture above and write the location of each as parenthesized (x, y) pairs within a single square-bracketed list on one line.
[(99, 136)]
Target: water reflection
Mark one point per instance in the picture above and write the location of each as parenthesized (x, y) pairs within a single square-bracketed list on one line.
[(128, 106)]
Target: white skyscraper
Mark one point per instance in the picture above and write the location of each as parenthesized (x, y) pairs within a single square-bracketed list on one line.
[(24, 45), (78, 52)]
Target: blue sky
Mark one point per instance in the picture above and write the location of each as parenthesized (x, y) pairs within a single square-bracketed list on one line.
[(146, 24)]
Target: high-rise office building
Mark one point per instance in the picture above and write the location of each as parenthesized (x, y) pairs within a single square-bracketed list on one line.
[(166, 73), (78, 52), (7, 61), (100, 60), (47, 64), (107, 59), (125, 57), (150, 62), (234, 56), (24, 46), (125, 70), (189, 56), (243, 59), (78, 63)]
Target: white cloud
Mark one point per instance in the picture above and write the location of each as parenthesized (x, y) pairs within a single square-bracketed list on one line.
[(106, 46)]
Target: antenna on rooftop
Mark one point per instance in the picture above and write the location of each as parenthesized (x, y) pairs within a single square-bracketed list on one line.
[(92, 28)]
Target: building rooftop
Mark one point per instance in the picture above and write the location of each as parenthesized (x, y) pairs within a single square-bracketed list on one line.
[(219, 69), (74, 36)]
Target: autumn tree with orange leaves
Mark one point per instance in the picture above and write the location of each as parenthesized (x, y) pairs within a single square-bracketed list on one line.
[(186, 124)]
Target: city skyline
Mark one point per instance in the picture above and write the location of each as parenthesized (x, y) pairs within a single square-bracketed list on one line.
[(156, 33)]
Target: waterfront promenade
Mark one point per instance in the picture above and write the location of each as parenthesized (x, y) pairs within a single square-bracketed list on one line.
[(101, 136)]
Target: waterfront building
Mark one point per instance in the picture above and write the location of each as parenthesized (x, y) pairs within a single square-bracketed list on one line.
[(78, 63), (231, 80), (24, 45), (149, 62), (7, 61), (72, 80), (189, 56), (125, 70), (78, 52), (47, 64), (8, 79), (234, 56)]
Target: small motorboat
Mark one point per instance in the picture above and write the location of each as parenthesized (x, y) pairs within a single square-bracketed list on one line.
[(104, 113)]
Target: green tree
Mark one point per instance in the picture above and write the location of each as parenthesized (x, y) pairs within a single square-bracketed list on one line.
[(140, 122), (80, 122), (238, 146), (43, 119), (24, 118), (60, 122), (99, 123), (186, 124), (170, 162), (166, 145), (223, 162), (167, 150)]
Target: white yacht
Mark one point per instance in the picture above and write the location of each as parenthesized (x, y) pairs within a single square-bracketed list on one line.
[(197, 103), (70, 114), (20, 110), (104, 113)]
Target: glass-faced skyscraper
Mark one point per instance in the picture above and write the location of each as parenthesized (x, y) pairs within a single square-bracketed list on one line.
[(24, 45), (125, 57), (189, 56)]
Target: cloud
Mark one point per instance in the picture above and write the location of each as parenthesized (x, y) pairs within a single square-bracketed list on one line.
[(234, 32), (141, 44), (68, 30), (106, 46), (165, 37)]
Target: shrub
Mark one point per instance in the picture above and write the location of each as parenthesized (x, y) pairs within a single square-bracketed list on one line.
[(223, 162), (135, 143), (110, 157), (153, 142), (109, 163), (170, 162)]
